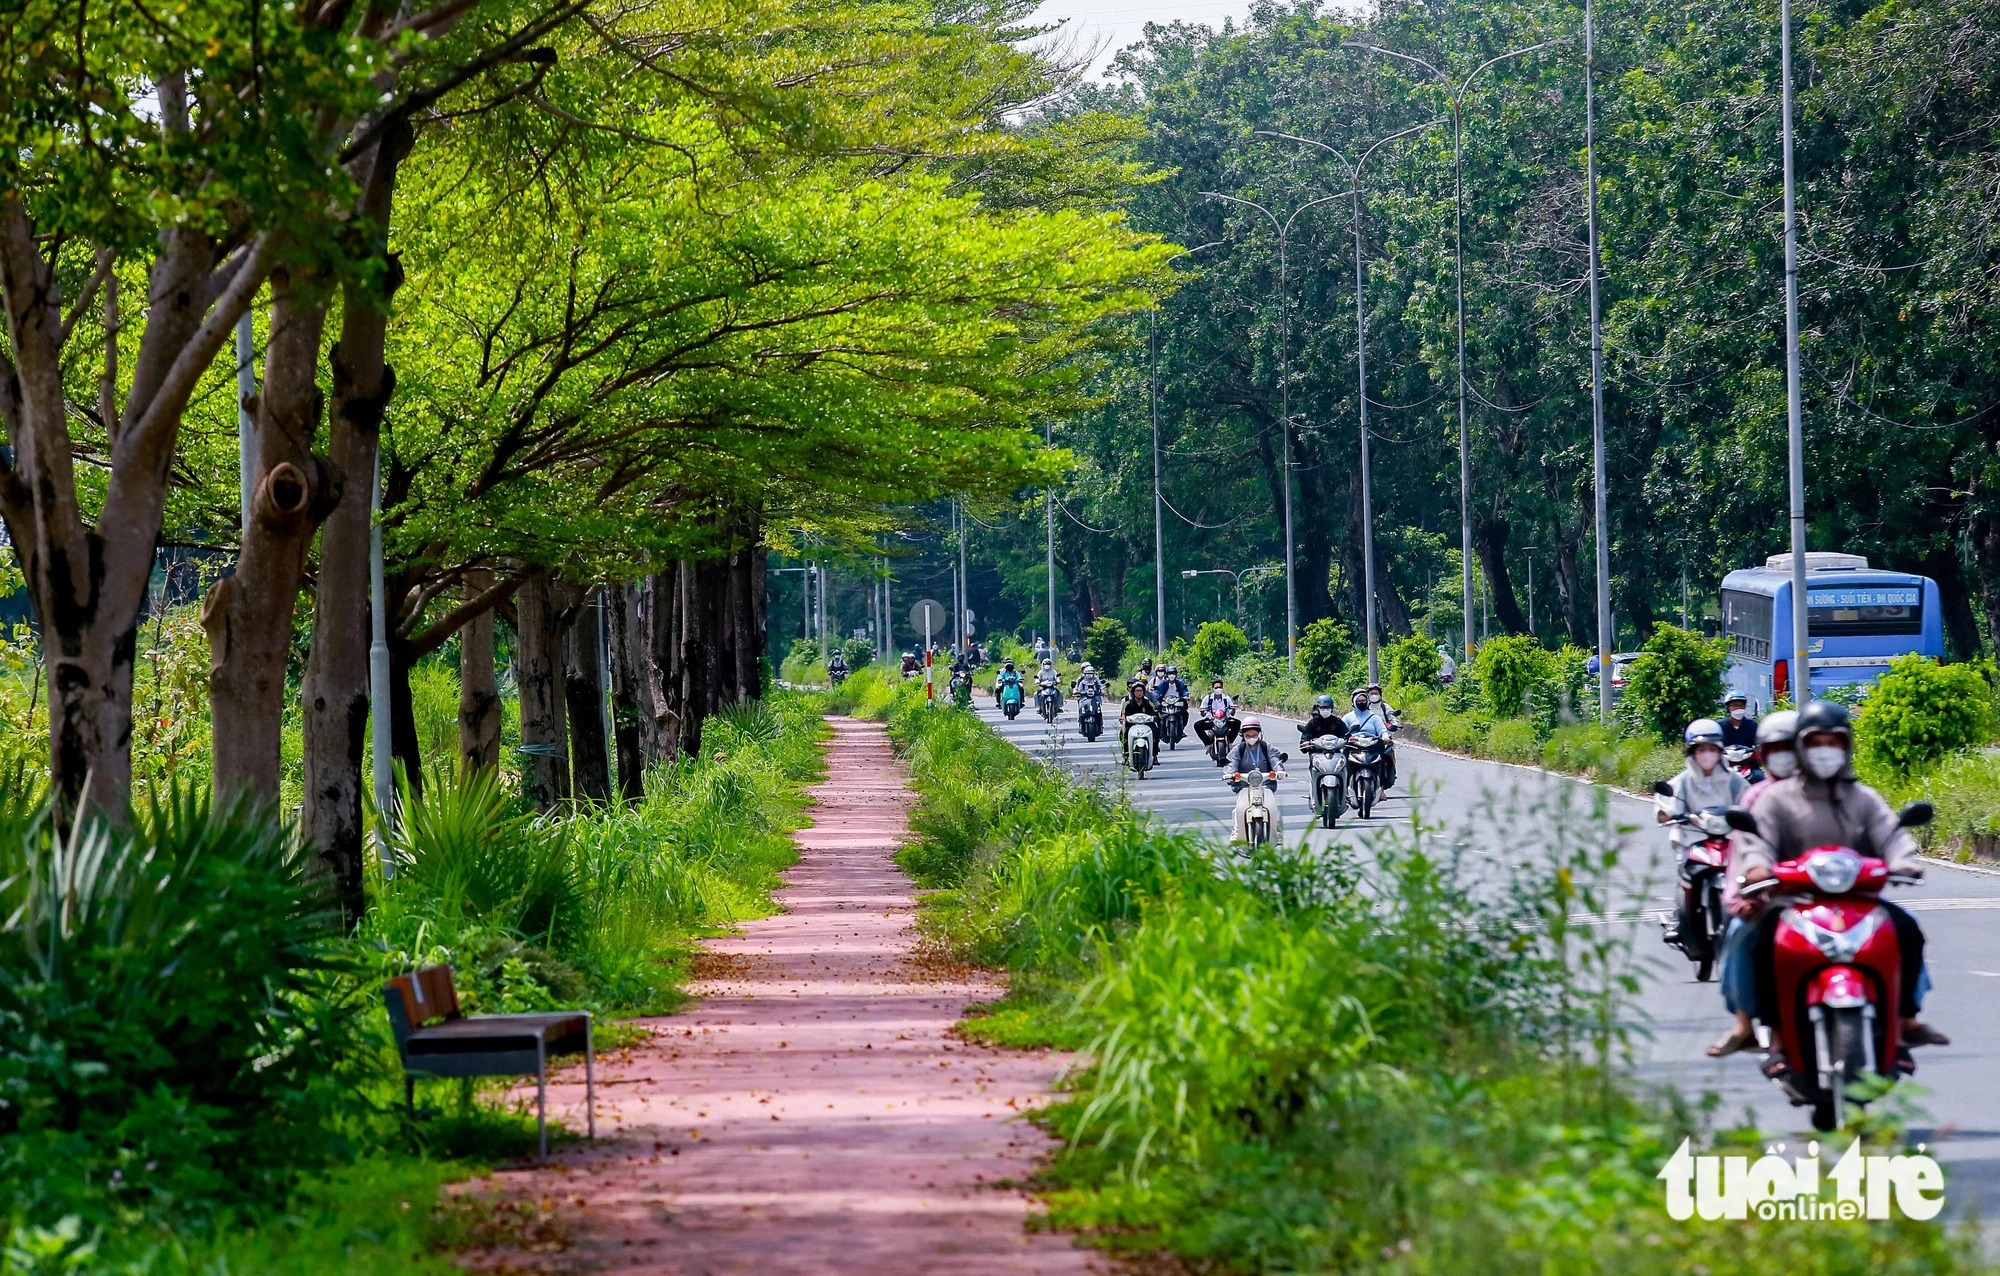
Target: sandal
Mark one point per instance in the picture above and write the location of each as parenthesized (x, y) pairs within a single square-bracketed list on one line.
[(1922, 1034), (1732, 1042)]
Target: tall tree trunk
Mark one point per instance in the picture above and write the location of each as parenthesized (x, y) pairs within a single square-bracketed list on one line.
[(404, 742), (666, 617), (628, 650), (1961, 631), (88, 583), (583, 694), (248, 615), (1569, 586), (538, 674), (335, 686), (1489, 544), (478, 689)]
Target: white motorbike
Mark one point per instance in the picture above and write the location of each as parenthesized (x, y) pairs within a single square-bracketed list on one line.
[(1141, 750), (1257, 818), (1327, 795)]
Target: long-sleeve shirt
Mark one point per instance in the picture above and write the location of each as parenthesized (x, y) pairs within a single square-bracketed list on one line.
[(1740, 732), (1798, 814), (1252, 755), (1367, 722), (1694, 791), (1215, 699)]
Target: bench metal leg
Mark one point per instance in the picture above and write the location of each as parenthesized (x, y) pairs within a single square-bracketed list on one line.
[(542, 1095), (590, 1077)]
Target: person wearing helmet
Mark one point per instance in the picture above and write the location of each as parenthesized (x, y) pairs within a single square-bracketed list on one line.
[(1204, 723), (1387, 712), (1823, 804), (1087, 682), (1703, 785), (1252, 752), (1174, 683), (1136, 701), (1447, 667), (1008, 676), (1780, 761), (1739, 729), (1325, 720)]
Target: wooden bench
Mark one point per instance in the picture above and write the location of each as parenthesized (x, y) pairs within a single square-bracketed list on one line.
[(435, 1040)]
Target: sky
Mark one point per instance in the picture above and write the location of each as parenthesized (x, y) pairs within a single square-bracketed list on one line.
[(1110, 25)]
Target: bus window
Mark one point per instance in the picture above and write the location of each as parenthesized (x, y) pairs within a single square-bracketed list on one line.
[(1859, 611), (1746, 619)]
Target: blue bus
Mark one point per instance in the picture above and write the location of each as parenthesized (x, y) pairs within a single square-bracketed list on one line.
[(1858, 619)]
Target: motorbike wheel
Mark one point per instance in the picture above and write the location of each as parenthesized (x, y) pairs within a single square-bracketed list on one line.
[(1704, 970), (1327, 813), (1364, 797), (1142, 762)]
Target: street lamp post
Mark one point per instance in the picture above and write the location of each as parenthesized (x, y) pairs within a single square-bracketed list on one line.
[(1284, 230), (1050, 435), (1159, 526), (1794, 423), (1361, 372), (1458, 220), (1235, 579)]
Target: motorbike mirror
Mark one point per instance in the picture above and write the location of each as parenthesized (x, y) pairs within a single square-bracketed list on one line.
[(1915, 815), (1662, 788), (1286, 757), (1740, 820)]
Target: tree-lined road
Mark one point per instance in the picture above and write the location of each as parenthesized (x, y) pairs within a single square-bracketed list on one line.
[(1953, 1094)]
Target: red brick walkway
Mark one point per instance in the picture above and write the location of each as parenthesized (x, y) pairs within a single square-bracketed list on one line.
[(813, 1112)]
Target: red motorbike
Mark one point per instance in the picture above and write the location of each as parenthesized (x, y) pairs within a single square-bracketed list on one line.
[(1697, 929), (1837, 970)]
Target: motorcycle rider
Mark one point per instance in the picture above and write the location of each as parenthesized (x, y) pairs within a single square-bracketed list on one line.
[(836, 665), (1008, 676), (1703, 783), (1387, 712), (1775, 739), (1087, 682), (1047, 679), (1739, 729), (1172, 682), (1136, 701), (1217, 698), (1447, 667), (1252, 753), (1326, 720), (911, 663), (1825, 805)]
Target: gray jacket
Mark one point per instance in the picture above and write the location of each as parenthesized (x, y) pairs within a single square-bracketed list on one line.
[(1795, 815), (1252, 755)]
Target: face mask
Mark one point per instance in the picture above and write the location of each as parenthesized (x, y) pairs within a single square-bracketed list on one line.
[(1325, 712), (1706, 759), (1738, 713), (1374, 700), (1784, 764), (1825, 760)]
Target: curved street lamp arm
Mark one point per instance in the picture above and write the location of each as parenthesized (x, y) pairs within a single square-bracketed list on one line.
[(1459, 96), (1250, 203), (1189, 252), (1312, 204), (1414, 128), (1376, 48)]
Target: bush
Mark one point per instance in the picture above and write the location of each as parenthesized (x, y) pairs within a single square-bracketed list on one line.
[(1514, 740), (1414, 662), (178, 1014), (1216, 644), (1508, 668), (1323, 649), (1920, 711), (1105, 644), (858, 652), (1677, 679)]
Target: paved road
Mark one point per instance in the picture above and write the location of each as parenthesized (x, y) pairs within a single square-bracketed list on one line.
[(1956, 1091)]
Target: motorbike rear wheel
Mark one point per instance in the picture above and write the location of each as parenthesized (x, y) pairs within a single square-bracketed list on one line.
[(1142, 761), (1364, 796)]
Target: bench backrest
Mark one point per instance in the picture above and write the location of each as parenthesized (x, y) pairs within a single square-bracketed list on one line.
[(418, 998)]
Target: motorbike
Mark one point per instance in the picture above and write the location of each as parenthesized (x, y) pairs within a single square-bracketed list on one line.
[(1173, 718), (1141, 748), (836, 674), (1327, 794), (1698, 928), (1090, 715), (1743, 761), (1836, 967), (1048, 702), (1010, 695), (1362, 756), (1222, 728), (1259, 811), (961, 688)]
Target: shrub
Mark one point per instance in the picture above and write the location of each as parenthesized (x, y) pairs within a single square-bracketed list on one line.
[(1105, 644), (1677, 679), (1514, 740), (858, 652), (1920, 711), (1352, 674), (1216, 644), (1323, 649), (1414, 662), (1583, 748), (1508, 667), (1460, 732)]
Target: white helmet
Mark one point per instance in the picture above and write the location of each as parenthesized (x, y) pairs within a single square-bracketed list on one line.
[(1702, 731), (1087, 668)]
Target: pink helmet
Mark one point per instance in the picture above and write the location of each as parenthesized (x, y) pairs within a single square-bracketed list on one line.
[(1252, 723)]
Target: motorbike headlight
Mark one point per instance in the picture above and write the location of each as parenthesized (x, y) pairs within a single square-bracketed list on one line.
[(1712, 824), (1834, 872)]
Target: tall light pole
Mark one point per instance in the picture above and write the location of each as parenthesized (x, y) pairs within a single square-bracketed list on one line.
[(1458, 220), (1049, 428), (1607, 638), (964, 588), (1795, 433), (1284, 230), (1159, 525), (378, 679), (1361, 372)]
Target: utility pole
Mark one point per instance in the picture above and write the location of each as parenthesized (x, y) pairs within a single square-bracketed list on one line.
[(378, 680), (1794, 423), (1606, 638), (964, 588), (1159, 526), (1049, 429)]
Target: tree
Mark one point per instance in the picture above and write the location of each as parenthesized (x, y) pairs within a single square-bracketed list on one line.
[(1105, 644), (1323, 649), (1920, 711), (1216, 644), (1676, 679)]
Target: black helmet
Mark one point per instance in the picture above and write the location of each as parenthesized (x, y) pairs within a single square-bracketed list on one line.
[(1825, 715)]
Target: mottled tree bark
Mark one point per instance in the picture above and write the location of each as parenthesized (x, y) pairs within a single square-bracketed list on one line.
[(583, 692), (538, 674), (628, 647), (478, 689)]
